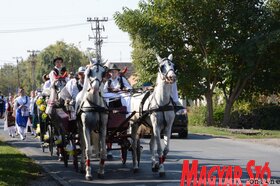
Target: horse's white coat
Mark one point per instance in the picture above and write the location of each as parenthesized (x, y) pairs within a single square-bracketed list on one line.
[(157, 120)]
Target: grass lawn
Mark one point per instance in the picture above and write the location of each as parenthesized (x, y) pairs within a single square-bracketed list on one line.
[(15, 167), (235, 134)]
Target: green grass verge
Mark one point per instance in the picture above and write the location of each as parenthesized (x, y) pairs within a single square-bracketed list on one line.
[(15, 167), (215, 131)]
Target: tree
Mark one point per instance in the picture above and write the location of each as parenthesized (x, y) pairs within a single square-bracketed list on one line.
[(73, 59), (215, 43), (72, 56)]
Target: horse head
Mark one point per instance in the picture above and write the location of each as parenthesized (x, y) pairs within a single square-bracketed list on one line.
[(166, 69), (96, 74)]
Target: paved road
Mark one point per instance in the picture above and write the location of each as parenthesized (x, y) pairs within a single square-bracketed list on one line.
[(207, 150)]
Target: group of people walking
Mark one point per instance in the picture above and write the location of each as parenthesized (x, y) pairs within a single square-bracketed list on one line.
[(18, 114)]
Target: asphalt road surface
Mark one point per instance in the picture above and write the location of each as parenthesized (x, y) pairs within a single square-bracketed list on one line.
[(209, 151)]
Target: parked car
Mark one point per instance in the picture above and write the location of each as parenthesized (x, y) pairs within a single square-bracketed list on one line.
[(180, 124)]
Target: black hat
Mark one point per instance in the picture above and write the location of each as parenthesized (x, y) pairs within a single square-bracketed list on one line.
[(56, 59), (113, 67)]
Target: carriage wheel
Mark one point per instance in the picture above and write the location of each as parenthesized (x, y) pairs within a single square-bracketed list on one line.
[(51, 139)]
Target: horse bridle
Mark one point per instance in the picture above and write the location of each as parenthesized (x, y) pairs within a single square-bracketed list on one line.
[(92, 80), (164, 75)]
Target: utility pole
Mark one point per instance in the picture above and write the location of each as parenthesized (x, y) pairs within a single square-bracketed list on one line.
[(97, 31), (33, 53), (17, 58)]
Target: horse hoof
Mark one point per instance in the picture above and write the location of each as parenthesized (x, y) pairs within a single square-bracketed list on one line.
[(154, 169), (88, 178), (82, 171), (110, 157), (161, 174), (100, 176), (135, 170)]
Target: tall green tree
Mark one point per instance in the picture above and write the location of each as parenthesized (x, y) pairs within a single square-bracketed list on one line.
[(73, 59), (215, 43), (72, 56)]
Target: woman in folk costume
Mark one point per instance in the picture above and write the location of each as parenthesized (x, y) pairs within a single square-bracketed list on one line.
[(9, 121), (21, 109)]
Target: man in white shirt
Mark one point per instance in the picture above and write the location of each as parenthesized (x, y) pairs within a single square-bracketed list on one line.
[(74, 86), (117, 87), (57, 71)]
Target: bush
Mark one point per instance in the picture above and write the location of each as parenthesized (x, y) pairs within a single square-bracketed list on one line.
[(196, 115), (218, 114), (264, 117)]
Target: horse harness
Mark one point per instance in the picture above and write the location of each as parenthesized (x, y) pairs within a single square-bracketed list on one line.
[(143, 114)]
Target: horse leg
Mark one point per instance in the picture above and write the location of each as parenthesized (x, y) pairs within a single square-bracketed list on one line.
[(95, 144), (86, 133), (156, 129), (82, 146), (103, 151), (166, 138), (135, 139), (152, 150)]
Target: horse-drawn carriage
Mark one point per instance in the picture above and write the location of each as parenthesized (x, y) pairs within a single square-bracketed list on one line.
[(112, 122)]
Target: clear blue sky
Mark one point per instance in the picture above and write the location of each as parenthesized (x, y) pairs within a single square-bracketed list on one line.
[(18, 15)]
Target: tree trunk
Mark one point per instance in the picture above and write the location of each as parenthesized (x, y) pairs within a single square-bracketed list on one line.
[(209, 116), (227, 112)]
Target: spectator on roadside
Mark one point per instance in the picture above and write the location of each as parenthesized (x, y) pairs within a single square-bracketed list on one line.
[(9, 121), (2, 105), (33, 116), (21, 112)]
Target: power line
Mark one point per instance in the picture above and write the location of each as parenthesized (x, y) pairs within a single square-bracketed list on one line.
[(41, 28)]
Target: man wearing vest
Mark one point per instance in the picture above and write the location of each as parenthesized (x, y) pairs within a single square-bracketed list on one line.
[(117, 87), (58, 71)]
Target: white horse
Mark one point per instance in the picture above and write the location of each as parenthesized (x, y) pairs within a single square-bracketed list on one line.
[(160, 115), (93, 115)]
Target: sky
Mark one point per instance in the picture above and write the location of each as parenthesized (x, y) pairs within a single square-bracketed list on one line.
[(23, 26)]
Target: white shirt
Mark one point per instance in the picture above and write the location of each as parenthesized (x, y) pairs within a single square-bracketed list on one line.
[(47, 84), (72, 87), (52, 74), (31, 107), (115, 84)]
